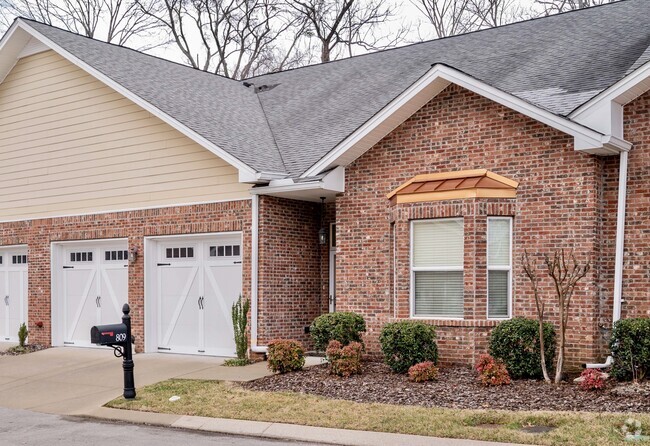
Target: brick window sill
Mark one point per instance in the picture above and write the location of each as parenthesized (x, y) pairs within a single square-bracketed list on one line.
[(461, 323)]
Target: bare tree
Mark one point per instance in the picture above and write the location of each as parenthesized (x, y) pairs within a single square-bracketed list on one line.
[(234, 38), (556, 6), (566, 272), (114, 21), (449, 17), (531, 272), (346, 24), (493, 13)]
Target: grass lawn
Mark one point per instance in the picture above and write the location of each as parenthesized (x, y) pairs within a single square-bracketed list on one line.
[(225, 400)]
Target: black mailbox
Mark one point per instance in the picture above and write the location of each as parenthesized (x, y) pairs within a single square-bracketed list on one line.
[(114, 334)]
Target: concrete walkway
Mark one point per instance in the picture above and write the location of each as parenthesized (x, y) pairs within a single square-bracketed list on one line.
[(75, 381)]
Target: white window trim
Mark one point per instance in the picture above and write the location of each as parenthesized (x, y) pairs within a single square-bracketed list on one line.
[(498, 268), (414, 269)]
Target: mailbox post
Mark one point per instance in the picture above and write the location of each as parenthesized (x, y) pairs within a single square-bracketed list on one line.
[(119, 337)]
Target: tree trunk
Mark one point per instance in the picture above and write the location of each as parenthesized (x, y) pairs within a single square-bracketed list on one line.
[(560, 357), (543, 351)]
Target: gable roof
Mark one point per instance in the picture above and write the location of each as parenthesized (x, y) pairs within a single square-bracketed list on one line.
[(555, 64), (220, 109)]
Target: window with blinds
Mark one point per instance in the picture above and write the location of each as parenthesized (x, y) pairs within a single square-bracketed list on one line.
[(499, 253), (437, 268)]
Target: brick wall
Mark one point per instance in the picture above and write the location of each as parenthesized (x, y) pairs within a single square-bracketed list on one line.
[(636, 270), (558, 205), (292, 268), (134, 225)]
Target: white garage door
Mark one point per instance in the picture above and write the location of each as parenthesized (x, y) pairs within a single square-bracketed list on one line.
[(93, 286), (13, 292), (197, 281)]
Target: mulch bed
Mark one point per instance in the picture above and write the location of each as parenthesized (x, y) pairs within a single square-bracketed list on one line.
[(456, 388), (16, 351)]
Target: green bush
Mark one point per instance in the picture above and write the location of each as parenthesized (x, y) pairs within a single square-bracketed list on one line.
[(630, 346), (516, 343), (285, 356), (22, 335), (341, 326), (239, 315), (407, 343)]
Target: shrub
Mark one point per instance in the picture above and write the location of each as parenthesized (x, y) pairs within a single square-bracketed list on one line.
[(237, 362), (592, 379), (343, 327), (492, 372), (22, 335), (344, 360), (407, 343), (630, 346), (424, 371), (239, 321), (516, 343), (285, 356)]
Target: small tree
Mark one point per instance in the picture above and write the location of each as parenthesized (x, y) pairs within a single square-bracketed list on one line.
[(531, 273), (566, 272), (22, 335), (240, 321)]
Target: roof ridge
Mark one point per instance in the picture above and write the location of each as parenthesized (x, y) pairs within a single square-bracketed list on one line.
[(356, 56)]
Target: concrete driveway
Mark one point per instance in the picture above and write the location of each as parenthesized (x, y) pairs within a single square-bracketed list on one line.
[(74, 381)]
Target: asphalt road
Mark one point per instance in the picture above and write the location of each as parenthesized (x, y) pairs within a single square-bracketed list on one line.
[(20, 427)]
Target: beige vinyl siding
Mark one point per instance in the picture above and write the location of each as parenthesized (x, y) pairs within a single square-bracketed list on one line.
[(69, 144)]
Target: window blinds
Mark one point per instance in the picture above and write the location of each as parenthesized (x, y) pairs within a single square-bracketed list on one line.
[(438, 268), (499, 266)]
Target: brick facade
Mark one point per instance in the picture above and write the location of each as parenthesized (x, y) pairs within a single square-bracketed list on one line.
[(636, 266), (293, 268), (134, 225), (558, 205)]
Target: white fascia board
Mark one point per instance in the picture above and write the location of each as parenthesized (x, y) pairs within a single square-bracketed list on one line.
[(621, 92), (441, 76), (235, 162), (605, 111), (334, 181), (260, 177)]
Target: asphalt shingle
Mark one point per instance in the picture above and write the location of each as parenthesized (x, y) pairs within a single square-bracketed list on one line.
[(557, 63)]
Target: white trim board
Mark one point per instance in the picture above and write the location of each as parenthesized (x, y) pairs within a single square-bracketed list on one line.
[(429, 86), (111, 211), (20, 34)]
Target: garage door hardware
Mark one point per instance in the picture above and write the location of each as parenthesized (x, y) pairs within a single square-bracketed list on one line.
[(238, 262), (164, 264), (201, 307), (164, 348), (6, 300), (98, 301), (68, 267)]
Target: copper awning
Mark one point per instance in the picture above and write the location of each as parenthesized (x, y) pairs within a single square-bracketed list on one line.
[(479, 183)]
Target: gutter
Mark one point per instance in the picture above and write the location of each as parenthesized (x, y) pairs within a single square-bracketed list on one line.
[(620, 246), (255, 219)]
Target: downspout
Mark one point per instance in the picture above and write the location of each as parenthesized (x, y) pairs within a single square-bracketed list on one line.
[(255, 219), (620, 245)]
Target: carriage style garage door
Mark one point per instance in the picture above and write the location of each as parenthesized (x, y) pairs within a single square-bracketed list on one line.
[(13, 292), (90, 286), (195, 282)]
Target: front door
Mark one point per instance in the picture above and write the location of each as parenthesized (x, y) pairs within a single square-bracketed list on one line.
[(13, 292)]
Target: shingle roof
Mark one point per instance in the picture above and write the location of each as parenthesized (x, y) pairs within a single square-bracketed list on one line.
[(221, 110), (556, 63)]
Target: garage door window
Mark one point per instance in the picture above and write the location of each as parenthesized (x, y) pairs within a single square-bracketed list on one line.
[(86, 256), (186, 252), (225, 251), (116, 255)]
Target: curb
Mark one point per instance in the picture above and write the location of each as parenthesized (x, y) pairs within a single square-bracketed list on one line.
[(276, 431)]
